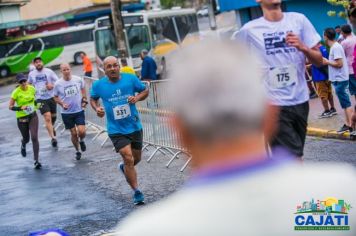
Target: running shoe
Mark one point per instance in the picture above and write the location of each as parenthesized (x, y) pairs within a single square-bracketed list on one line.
[(121, 167), (23, 150), (138, 197), (344, 129), (54, 142), (37, 165), (78, 155), (333, 111), (83, 147), (325, 114)]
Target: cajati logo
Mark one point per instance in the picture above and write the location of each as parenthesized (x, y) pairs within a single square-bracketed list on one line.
[(328, 214)]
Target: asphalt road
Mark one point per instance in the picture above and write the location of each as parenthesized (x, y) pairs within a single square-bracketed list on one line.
[(90, 196), (81, 197)]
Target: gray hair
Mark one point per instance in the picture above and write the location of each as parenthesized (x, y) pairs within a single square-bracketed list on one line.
[(217, 92), (144, 52)]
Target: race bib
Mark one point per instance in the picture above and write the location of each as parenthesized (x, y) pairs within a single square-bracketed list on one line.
[(70, 91), (122, 111), (43, 91), (281, 77), (29, 110)]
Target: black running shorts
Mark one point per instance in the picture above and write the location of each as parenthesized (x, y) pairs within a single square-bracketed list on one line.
[(292, 128), (48, 105), (122, 140)]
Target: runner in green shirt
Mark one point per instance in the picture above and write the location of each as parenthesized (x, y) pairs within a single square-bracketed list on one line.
[(27, 121)]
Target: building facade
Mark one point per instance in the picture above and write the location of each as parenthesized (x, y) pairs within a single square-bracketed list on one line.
[(10, 10), (44, 8)]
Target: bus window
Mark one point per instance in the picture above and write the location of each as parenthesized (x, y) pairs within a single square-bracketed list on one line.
[(138, 39), (16, 48), (105, 43), (3, 50)]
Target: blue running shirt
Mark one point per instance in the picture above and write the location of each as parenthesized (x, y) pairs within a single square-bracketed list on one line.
[(121, 117)]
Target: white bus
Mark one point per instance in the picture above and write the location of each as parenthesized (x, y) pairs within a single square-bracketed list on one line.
[(146, 30), (55, 47)]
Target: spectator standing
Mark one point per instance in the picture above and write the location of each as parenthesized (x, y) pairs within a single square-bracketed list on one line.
[(339, 76), (125, 68), (320, 77), (87, 65), (349, 47), (149, 67)]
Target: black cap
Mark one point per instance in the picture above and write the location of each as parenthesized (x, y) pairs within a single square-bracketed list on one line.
[(37, 58), (20, 77)]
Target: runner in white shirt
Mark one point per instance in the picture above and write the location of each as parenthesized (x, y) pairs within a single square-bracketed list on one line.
[(70, 94), (43, 80), (284, 41)]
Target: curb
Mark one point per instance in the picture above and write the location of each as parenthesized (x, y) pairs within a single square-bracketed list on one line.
[(7, 81), (323, 133)]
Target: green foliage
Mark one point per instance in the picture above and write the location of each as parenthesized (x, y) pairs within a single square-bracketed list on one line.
[(343, 3), (172, 3)]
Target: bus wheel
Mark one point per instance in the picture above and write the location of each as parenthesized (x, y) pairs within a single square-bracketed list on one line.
[(4, 71), (77, 58)]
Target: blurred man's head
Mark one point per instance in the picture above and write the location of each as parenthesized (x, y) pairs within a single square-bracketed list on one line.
[(112, 68), (346, 30), (82, 55), (352, 14), (219, 99), (270, 4), (338, 29), (123, 62), (66, 71), (38, 63), (329, 35), (143, 53)]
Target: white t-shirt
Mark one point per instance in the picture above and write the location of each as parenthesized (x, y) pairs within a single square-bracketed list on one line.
[(338, 74), (70, 93), (283, 67), (258, 202), (39, 79)]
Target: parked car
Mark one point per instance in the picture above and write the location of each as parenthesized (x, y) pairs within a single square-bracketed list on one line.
[(203, 12)]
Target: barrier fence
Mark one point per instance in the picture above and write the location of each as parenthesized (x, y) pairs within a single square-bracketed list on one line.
[(155, 114)]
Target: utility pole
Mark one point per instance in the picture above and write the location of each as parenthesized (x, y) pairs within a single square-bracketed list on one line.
[(119, 28), (212, 19)]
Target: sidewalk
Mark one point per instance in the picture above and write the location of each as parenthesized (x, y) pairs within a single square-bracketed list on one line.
[(326, 127)]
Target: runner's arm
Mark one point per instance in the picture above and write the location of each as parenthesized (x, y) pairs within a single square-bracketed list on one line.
[(13, 107), (143, 95), (139, 97), (58, 101), (95, 104), (312, 54), (84, 97), (338, 63)]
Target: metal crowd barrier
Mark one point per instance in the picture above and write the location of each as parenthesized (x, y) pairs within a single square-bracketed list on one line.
[(155, 114)]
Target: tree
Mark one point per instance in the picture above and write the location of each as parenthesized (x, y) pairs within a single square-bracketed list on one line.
[(346, 4), (172, 3)]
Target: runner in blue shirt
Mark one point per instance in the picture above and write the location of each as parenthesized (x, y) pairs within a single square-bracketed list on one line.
[(119, 93)]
